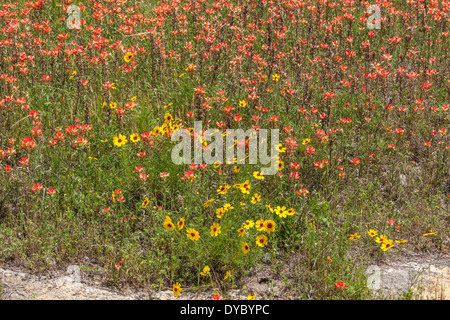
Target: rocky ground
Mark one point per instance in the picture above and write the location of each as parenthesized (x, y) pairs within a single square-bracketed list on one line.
[(415, 275)]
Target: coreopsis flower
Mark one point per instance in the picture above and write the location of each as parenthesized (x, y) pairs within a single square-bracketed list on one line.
[(145, 203), (177, 289), (168, 225), (382, 238), (269, 226), (192, 234), (180, 224), (135, 137), (353, 237), (258, 175), (119, 140), (205, 271), (128, 57), (386, 245), (245, 248), (429, 233), (215, 229), (256, 198), (227, 275), (372, 233), (251, 296), (261, 240)]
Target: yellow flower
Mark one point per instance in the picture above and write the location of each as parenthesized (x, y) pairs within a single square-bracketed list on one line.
[(145, 203), (220, 212), (329, 260), (269, 226), (113, 105), (135, 137), (133, 98), (382, 238), (167, 105), (180, 224), (168, 225), (193, 234), (280, 165), (120, 140), (281, 211), (401, 241), (260, 225), (386, 245), (275, 77), (215, 229), (353, 237), (258, 175), (256, 198), (372, 233), (177, 289), (251, 296), (243, 103), (237, 169), (227, 275), (261, 241), (281, 149), (223, 189), (128, 57), (248, 224), (74, 73), (429, 233), (205, 271), (306, 141), (242, 232), (208, 203), (245, 248)]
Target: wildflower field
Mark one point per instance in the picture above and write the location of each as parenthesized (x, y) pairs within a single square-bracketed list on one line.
[(92, 92)]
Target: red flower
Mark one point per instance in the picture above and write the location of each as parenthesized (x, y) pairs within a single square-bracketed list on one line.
[(340, 285)]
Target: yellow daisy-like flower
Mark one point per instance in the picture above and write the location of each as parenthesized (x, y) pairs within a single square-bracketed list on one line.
[(180, 224), (128, 57), (260, 225), (135, 137), (306, 141), (242, 232), (248, 224), (237, 169), (119, 140), (215, 229), (261, 240), (429, 233), (133, 98), (382, 238), (145, 203), (192, 234), (256, 198), (220, 212), (353, 237), (243, 103), (168, 224), (372, 233), (281, 149), (251, 296), (177, 289), (245, 248), (223, 189), (329, 260), (275, 77), (208, 203), (386, 245), (205, 271), (74, 73), (281, 211), (269, 226), (401, 241), (227, 275), (113, 105), (258, 175)]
